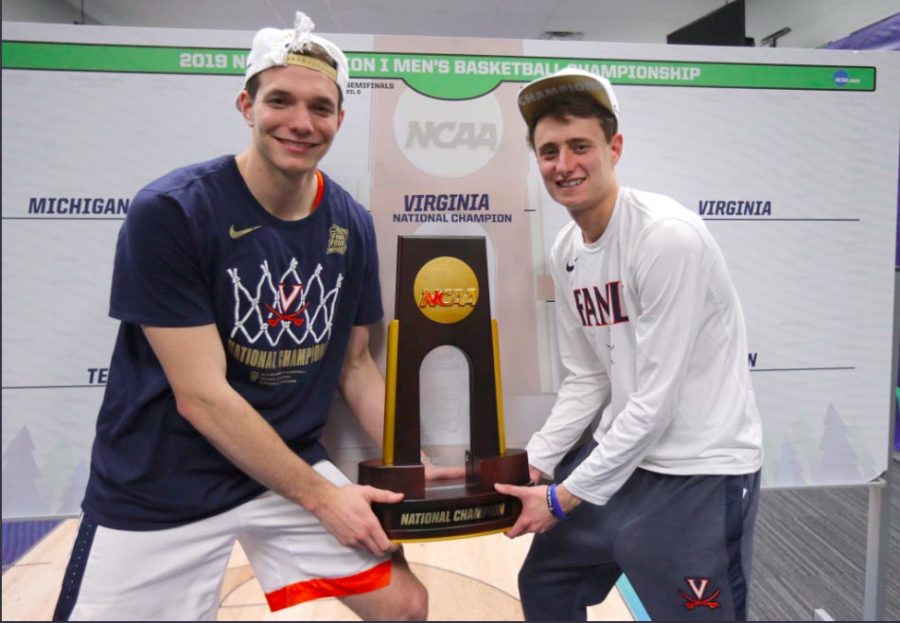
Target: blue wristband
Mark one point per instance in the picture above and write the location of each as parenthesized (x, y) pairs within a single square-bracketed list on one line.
[(553, 503)]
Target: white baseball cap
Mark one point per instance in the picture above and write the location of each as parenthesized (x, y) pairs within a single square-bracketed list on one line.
[(568, 81), (278, 48)]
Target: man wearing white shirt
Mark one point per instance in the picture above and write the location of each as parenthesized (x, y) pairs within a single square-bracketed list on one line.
[(652, 335)]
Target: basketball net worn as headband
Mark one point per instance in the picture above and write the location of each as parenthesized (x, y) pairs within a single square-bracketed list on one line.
[(301, 60), (279, 48)]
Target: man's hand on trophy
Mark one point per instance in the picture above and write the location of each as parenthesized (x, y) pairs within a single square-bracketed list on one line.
[(434, 471), (535, 516), (347, 514)]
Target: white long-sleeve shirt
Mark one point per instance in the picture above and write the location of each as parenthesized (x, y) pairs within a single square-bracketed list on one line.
[(650, 329)]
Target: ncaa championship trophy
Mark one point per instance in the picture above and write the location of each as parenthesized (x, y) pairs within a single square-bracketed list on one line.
[(442, 299)]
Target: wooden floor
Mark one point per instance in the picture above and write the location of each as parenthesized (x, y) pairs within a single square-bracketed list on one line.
[(467, 579), (809, 553)]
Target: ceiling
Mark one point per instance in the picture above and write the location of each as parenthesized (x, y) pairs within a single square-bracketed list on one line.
[(637, 20), (814, 22)]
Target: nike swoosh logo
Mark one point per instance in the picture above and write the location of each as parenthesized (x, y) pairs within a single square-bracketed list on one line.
[(571, 266), (237, 233)]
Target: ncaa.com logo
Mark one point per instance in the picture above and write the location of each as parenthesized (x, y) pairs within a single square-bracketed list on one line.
[(842, 78), (448, 138)]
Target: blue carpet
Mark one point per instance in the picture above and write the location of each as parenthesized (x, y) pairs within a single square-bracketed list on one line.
[(20, 536)]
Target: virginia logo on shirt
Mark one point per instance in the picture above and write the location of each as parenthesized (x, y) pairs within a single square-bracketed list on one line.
[(599, 307), (698, 587), (282, 322)]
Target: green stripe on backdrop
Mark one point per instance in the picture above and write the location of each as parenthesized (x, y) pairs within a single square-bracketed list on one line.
[(439, 75)]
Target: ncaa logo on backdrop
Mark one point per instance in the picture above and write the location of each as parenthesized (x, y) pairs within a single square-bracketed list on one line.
[(842, 78), (448, 138)]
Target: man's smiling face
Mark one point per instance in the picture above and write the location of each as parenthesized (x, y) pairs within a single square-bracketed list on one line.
[(295, 116), (576, 161)]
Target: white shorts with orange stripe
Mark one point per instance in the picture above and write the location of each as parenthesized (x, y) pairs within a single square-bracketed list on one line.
[(177, 573)]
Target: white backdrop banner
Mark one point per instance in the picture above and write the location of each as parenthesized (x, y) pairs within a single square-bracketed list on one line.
[(789, 155)]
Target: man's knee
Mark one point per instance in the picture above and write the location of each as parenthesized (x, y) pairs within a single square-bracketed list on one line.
[(529, 579), (416, 609), (404, 599), (407, 601), (408, 595)]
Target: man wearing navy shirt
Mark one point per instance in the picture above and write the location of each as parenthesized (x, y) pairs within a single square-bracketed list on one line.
[(245, 287)]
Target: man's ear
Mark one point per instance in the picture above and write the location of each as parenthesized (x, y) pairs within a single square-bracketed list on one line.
[(617, 144), (245, 105)]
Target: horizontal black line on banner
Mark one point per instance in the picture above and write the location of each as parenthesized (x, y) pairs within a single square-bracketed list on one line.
[(802, 369), (52, 386), (751, 369), (761, 220), (64, 218)]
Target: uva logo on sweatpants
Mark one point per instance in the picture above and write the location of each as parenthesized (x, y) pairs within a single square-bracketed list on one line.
[(698, 588)]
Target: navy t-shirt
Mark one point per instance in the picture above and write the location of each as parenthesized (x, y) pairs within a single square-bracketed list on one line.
[(197, 248)]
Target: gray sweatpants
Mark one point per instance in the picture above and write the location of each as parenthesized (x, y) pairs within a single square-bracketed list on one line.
[(684, 542)]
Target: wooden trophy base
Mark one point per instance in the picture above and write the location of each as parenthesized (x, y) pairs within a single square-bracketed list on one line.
[(448, 508)]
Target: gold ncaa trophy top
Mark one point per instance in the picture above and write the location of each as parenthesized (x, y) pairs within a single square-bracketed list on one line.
[(442, 299)]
